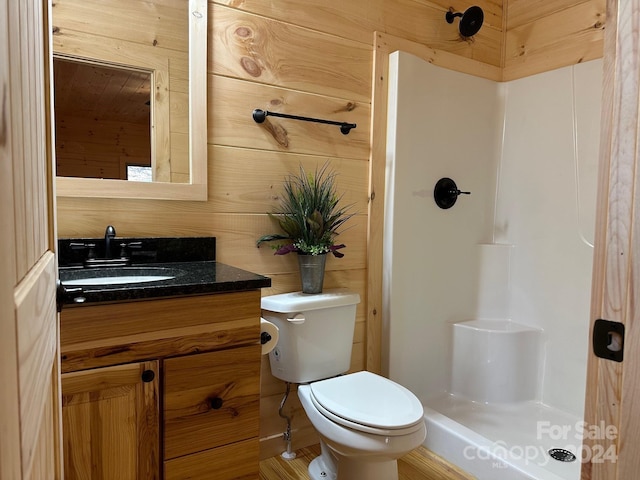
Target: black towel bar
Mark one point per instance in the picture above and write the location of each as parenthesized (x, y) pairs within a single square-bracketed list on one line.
[(259, 116)]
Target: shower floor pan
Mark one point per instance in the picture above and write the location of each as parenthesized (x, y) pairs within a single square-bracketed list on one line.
[(504, 442)]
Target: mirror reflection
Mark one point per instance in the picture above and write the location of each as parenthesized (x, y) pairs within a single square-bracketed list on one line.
[(102, 120)]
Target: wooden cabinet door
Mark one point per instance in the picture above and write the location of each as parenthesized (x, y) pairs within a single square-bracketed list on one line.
[(110, 420)]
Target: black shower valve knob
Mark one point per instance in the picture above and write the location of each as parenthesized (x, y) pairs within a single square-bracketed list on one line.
[(446, 193)]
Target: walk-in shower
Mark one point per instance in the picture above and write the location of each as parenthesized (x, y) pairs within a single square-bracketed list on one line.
[(487, 303)]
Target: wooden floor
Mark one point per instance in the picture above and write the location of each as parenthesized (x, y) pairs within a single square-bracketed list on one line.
[(420, 464)]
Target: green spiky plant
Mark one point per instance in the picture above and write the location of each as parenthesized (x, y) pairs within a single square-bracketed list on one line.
[(310, 214)]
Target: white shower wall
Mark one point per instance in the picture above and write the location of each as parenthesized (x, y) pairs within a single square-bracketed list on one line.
[(512, 146), (546, 209)]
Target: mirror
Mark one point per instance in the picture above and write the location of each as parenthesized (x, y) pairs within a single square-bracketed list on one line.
[(130, 94)]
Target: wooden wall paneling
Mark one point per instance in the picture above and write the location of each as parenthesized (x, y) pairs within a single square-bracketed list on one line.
[(125, 138), (351, 20), (269, 384), (263, 50), (236, 237), (178, 146), (239, 231), (101, 166), (290, 282), (527, 11), (493, 9), (386, 44), (163, 123), (107, 85), (180, 165), (230, 120), (162, 23), (567, 37), (132, 218), (260, 192), (274, 445), (119, 51), (254, 192), (273, 426), (95, 148), (179, 110), (425, 23)]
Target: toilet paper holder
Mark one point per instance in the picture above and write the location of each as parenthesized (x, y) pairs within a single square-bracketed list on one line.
[(269, 336)]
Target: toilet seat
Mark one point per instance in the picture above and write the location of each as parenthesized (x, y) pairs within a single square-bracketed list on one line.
[(368, 403)]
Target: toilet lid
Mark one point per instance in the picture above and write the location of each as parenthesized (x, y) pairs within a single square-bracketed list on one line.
[(367, 399)]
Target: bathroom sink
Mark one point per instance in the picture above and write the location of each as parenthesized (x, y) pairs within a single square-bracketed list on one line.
[(117, 276), (121, 280)]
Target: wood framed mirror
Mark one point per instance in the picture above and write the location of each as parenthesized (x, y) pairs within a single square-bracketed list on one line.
[(152, 54)]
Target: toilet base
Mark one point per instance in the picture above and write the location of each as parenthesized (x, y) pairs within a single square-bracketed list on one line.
[(331, 466), (319, 471), (323, 467)]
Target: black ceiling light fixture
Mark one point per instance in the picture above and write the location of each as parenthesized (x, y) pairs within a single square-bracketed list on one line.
[(470, 21)]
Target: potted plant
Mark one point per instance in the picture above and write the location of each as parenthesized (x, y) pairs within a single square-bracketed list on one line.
[(310, 217)]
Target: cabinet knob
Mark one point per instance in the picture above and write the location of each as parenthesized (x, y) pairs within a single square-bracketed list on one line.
[(148, 376), (215, 403)]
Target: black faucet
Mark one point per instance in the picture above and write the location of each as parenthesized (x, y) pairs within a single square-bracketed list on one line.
[(109, 259), (109, 234)]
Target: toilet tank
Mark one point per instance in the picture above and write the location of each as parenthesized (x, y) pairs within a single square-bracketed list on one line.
[(316, 333)]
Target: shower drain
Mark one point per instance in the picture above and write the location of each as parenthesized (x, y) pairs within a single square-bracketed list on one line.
[(562, 455)]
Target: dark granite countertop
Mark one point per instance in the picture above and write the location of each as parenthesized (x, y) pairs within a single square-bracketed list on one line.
[(189, 262), (191, 278)]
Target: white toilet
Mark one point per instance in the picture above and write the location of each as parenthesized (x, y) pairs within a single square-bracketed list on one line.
[(365, 421)]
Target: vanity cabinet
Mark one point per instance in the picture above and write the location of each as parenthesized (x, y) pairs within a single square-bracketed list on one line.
[(197, 418)]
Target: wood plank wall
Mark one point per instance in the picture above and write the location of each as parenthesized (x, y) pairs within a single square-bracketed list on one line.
[(543, 35), (312, 58)]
